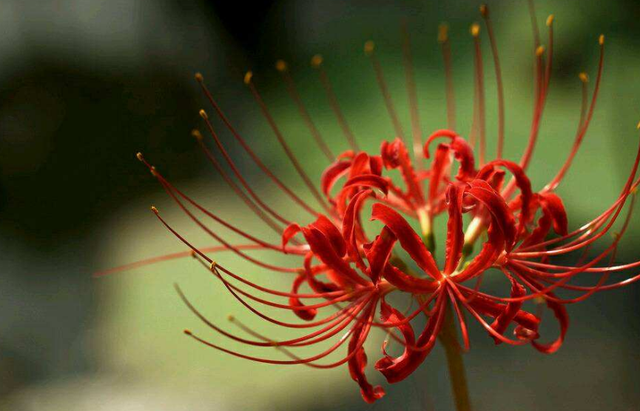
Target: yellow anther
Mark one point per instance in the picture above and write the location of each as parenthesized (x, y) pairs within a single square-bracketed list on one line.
[(316, 61), (139, 156), (550, 20), (540, 51), (213, 265), (193, 254), (203, 114), (443, 33), (247, 77), (153, 171), (369, 46), (584, 77), (196, 134), (638, 126), (199, 77), (601, 39), (281, 65), (154, 209), (475, 29)]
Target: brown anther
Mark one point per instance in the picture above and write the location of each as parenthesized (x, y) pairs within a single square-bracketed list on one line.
[(231, 318), (247, 77), (584, 77), (484, 10), (199, 77), (316, 61), (193, 254), (550, 20), (196, 134), (281, 65), (475, 30), (187, 332), (443, 32), (369, 46)]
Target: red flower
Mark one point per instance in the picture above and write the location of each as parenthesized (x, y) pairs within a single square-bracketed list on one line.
[(335, 262)]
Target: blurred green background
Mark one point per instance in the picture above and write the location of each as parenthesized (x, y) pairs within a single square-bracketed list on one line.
[(85, 84)]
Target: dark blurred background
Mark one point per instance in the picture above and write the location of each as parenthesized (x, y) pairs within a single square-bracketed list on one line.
[(85, 84)]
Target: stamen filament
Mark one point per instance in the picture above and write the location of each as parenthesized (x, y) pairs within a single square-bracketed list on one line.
[(443, 39), (484, 10), (246, 147), (285, 146), (369, 48), (316, 62), (292, 90), (416, 131)]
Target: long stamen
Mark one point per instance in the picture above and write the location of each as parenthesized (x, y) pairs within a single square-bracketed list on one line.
[(479, 73), (534, 25), (172, 189), (315, 295), (331, 302), (585, 121), (280, 345), (285, 146), (246, 147), (173, 256), (237, 172), (566, 276), (311, 359), (264, 316), (540, 83), (610, 215), (369, 48), (300, 341), (484, 10), (316, 62), (292, 90), (413, 96), (443, 39), (584, 79), (547, 71), (179, 236), (236, 189)]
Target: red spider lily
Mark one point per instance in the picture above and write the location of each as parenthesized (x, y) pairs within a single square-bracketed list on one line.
[(337, 263)]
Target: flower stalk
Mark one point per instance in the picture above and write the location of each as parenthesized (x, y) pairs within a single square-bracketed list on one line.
[(457, 374)]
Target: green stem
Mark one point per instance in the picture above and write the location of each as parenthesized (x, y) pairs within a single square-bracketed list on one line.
[(449, 339)]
